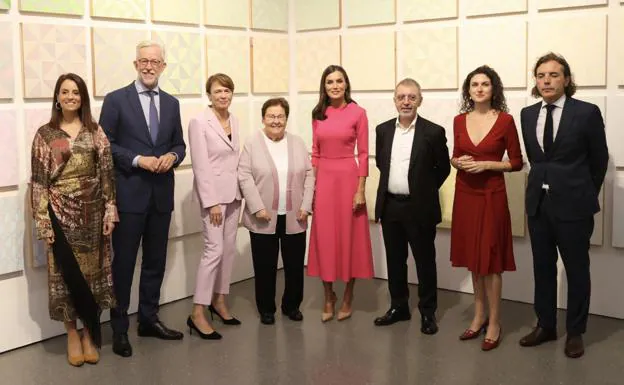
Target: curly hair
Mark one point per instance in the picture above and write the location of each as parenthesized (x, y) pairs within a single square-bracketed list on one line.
[(498, 102), (570, 89)]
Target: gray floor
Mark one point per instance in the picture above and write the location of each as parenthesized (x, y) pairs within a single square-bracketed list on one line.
[(344, 353)]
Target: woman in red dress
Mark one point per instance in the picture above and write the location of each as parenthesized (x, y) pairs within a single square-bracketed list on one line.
[(481, 226)]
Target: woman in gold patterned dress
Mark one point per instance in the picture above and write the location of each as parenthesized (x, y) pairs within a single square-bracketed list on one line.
[(73, 201)]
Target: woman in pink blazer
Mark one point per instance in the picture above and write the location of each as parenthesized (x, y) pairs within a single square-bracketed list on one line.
[(277, 182), (213, 140)]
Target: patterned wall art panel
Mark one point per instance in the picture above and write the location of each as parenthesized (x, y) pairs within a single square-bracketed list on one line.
[(368, 69), (60, 7), (5, 4), (494, 7), (314, 54), (188, 111), (365, 12), (508, 59), (9, 167), (240, 109), (186, 218), (11, 233), (429, 55), (615, 131), (617, 24), (617, 236), (180, 11), (182, 75), (119, 9), (114, 51), (515, 184), (270, 64), (318, 14), (584, 46), (231, 13), (441, 112), (269, 15), (554, 4), (7, 74), (303, 124), (415, 10), (229, 54), (377, 111), (33, 119), (47, 51), (372, 183)]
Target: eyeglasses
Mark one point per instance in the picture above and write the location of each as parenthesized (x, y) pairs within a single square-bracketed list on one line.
[(275, 117), (411, 98), (153, 62)]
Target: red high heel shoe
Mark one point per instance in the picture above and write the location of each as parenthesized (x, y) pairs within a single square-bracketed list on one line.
[(489, 344), (470, 334)]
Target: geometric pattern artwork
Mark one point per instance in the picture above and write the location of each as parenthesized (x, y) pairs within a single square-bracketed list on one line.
[(48, 51), (318, 14), (5, 4), (62, 7), (370, 69), (515, 184), (114, 50), (118, 9), (7, 73), (366, 12), (240, 109), (553, 4), (509, 57), (186, 217), (9, 170), (493, 7), (270, 64), (584, 46), (378, 110), (303, 124), (617, 24), (231, 13), (269, 15), (11, 233), (188, 111), (229, 54), (314, 54), (414, 10), (183, 56), (180, 11), (429, 55), (617, 237), (33, 119)]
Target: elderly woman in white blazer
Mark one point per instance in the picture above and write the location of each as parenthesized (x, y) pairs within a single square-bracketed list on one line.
[(276, 179)]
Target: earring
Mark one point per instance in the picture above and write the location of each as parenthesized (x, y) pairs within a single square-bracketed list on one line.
[(57, 105)]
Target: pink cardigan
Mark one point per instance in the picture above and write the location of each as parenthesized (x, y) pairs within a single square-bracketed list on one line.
[(257, 177), (214, 158)]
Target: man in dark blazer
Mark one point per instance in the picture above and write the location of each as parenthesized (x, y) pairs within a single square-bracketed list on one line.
[(143, 125), (566, 147), (413, 161)]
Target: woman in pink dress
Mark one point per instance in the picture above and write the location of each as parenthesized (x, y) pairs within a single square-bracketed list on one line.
[(340, 246)]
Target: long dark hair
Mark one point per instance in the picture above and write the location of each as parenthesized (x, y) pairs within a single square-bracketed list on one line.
[(498, 101), (570, 89), (318, 113), (84, 112)]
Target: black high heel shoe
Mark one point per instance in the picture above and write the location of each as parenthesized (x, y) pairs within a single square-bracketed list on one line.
[(206, 336), (231, 321)]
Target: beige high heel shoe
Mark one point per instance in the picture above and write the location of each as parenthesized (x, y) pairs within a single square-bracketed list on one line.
[(329, 316), (74, 359), (90, 353)]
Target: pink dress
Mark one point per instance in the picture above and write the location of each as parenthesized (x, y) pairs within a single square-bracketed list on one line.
[(340, 246)]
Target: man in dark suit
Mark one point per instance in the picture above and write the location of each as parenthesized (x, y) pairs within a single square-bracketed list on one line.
[(413, 161), (566, 147), (144, 128)]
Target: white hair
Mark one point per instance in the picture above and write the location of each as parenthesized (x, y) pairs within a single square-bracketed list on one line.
[(151, 43)]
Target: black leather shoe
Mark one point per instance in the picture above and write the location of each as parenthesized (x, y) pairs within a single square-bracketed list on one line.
[(574, 347), (538, 336), (158, 330), (294, 315), (267, 318), (395, 314), (121, 345), (428, 324)]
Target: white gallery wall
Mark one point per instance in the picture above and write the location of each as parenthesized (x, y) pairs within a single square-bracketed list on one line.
[(280, 47)]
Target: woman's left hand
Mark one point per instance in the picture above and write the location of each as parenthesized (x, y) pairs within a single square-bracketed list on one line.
[(359, 200), (302, 216), (475, 167), (108, 228)]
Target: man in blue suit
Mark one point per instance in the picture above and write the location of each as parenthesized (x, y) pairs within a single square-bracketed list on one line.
[(143, 125)]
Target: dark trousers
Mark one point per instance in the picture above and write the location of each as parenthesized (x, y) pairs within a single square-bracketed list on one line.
[(152, 229), (264, 252), (572, 239), (400, 228)]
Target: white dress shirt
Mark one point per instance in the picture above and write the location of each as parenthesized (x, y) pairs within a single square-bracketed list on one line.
[(541, 119), (279, 154), (400, 158)]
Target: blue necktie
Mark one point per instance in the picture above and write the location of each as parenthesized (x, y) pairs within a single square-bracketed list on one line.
[(153, 117)]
